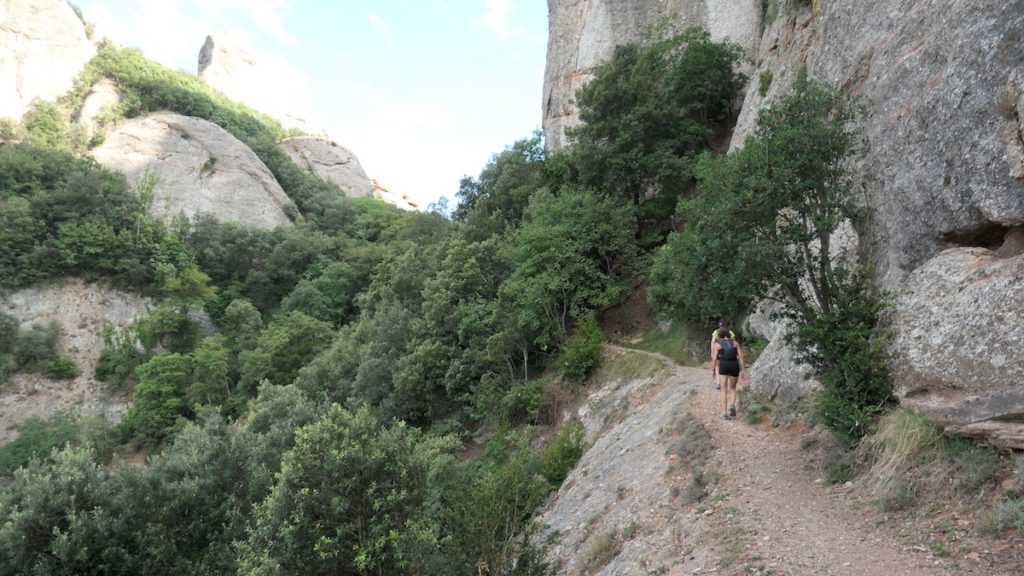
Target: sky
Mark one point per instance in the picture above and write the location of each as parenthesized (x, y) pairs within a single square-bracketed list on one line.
[(423, 92)]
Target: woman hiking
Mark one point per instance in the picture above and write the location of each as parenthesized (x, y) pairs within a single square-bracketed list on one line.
[(727, 360)]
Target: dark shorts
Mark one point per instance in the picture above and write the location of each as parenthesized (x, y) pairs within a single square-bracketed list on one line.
[(729, 367)]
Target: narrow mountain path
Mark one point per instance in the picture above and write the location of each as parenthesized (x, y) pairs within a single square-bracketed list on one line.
[(770, 513)]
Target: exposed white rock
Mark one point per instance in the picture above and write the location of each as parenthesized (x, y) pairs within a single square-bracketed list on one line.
[(200, 169), (583, 34), (43, 46), (776, 376), (960, 322), (80, 310), (254, 79), (394, 198), (101, 98), (330, 162)]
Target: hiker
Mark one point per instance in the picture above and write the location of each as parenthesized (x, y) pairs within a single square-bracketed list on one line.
[(727, 360), (722, 325)]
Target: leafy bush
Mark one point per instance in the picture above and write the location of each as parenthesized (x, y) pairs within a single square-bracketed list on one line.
[(121, 354), (36, 348), (583, 351), (36, 438), (62, 369), (563, 453)]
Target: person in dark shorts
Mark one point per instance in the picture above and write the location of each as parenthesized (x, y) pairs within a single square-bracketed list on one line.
[(724, 326), (727, 360)]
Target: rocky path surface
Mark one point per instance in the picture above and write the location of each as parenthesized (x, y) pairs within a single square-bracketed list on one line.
[(796, 525), (775, 514)]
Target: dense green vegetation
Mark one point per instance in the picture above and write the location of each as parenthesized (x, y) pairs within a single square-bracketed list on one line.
[(762, 227), (320, 429)]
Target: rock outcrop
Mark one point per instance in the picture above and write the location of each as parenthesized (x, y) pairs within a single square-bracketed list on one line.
[(330, 162), (941, 81), (102, 97), (43, 46), (960, 325), (583, 33), (243, 76), (80, 310), (199, 167)]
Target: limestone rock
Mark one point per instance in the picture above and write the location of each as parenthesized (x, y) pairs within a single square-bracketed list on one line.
[(776, 376), (583, 33), (960, 319), (248, 77), (43, 46), (200, 169), (940, 78), (101, 98), (80, 310), (330, 162), (398, 199)]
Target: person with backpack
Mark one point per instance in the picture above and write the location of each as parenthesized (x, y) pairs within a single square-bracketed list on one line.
[(727, 361), (714, 336)]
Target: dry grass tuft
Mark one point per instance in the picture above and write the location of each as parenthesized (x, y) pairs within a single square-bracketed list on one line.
[(903, 441)]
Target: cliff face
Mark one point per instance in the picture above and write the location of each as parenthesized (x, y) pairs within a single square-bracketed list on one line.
[(42, 47), (583, 33), (943, 164)]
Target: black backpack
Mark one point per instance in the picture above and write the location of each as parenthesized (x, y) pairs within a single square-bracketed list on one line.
[(727, 350)]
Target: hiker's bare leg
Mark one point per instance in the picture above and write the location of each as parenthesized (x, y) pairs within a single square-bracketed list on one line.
[(723, 382)]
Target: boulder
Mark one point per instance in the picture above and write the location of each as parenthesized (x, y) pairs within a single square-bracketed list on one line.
[(960, 325), (80, 310), (330, 162), (583, 33), (776, 376), (43, 46), (200, 168)]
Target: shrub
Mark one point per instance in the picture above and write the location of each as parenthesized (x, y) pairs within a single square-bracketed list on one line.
[(121, 354), (764, 82), (37, 347), (1009, 514), (36, 438), (563, 453), (62, 369), (521, 403), (583, 351)]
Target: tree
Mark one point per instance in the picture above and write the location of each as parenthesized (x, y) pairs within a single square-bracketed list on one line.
[(498, 197), (763, 221), (345, 494), (648, 111), (159, 398), (571, 255)]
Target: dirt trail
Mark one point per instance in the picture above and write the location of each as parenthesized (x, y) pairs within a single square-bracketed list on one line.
[(778, 512)]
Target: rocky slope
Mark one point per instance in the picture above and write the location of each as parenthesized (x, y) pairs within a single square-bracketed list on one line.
[(80, 310)]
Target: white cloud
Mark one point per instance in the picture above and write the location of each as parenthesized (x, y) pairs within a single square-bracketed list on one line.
[(497, 20), (378, 24)]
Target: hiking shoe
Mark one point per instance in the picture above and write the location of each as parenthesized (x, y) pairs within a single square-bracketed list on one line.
[(732, 409), (718, 385), (725, 416)]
